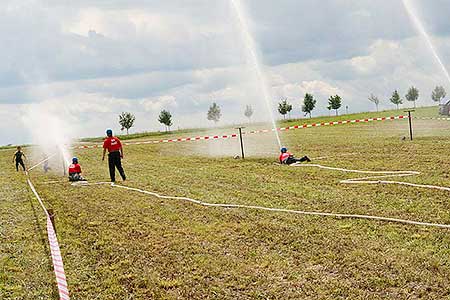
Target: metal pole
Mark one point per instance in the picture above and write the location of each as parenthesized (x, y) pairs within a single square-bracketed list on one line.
[(410, 123), (242, 142)]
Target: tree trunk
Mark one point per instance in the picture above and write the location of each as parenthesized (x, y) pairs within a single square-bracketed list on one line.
[(336, 112), (310, 116), (397, 106), (127, 131), (377, 107), (414, 103)]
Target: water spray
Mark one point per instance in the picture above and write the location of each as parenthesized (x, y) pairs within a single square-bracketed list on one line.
[(254, 60), (421, 29)]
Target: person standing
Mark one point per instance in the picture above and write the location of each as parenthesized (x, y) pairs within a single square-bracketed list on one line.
[(18, 158), (115, 154)]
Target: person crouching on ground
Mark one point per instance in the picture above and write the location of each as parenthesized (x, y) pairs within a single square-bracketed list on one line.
[(75, 171), (287, 158), (115, 154), (18, 158)]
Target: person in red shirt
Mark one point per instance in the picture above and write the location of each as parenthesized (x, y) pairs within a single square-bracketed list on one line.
[(115, 154), (287, 158), (75, 171)]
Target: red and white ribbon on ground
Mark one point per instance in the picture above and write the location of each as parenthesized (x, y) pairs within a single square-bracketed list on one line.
[(58, 265), (228, 136)]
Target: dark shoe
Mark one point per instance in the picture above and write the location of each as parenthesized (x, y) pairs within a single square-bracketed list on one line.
[(307, 159)]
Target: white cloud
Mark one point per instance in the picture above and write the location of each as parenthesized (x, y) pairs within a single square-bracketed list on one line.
[(90, 60)]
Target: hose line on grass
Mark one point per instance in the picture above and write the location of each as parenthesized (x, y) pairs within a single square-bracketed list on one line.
[(282, 210), (373, 179)]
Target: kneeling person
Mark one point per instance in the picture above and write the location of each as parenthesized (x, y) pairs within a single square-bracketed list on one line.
[(287, 158), (75, 171)]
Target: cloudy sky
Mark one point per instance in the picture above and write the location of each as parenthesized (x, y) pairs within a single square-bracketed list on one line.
[(87, 61)]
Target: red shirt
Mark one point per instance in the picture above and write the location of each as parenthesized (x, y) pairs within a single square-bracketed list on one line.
[(74, 168), (284, 156), (112, 144)]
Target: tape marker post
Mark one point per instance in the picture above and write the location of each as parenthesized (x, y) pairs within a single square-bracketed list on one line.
[(57, 260), (230, 136)]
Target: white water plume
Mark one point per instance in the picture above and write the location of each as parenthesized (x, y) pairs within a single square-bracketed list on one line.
[(254, 60), (421, 29), (50, 132)]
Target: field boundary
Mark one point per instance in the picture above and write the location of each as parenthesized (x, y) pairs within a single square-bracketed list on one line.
[(55, 251), (229, 136)]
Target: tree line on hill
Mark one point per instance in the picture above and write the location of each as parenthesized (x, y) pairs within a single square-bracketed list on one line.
[(126, 119)]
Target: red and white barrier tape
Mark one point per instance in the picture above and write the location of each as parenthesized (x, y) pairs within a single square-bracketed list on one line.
[(57, 260), (330, 124), (228, 136), (432, 118)]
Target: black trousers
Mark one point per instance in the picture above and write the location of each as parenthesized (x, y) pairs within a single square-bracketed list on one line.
[(114, 161), (21, 163), (293, 160)]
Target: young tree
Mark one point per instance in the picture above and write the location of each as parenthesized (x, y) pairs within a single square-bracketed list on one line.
[(165, 117), (126, 120), (396, 98), (412, 95), (308, 104), (248, 112), (214, 113), (284, 107), (335, 102), (438, 94), (374, 99)]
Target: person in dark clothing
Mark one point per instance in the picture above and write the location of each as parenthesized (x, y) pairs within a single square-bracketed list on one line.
[(287, 158), (115, 155), (18, 158)]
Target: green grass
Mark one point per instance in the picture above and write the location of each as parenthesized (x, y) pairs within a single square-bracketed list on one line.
[(126, 245)]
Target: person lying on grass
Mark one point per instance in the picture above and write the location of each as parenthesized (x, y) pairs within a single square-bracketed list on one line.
[(75, 171), (287, 158)]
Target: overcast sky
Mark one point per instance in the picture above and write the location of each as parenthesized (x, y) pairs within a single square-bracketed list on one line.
[(87, 61)]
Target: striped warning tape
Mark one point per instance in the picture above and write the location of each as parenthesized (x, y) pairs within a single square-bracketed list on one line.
[(228, 136), (330, 124), (55, 251), (432, 118)]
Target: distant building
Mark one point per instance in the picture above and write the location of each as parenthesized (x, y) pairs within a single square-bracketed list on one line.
[(444, 109)]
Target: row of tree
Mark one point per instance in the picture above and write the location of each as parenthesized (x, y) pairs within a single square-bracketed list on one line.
[(126, 119), (412, 95), (309, 103)]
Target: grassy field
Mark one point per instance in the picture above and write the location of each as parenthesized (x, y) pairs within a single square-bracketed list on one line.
[(119, 244)]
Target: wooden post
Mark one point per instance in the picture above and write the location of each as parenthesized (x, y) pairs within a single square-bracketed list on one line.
[(410, 123), (241, 141)]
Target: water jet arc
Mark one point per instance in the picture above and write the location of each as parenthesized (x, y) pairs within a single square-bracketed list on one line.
[(421, 29), (254, 60)]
